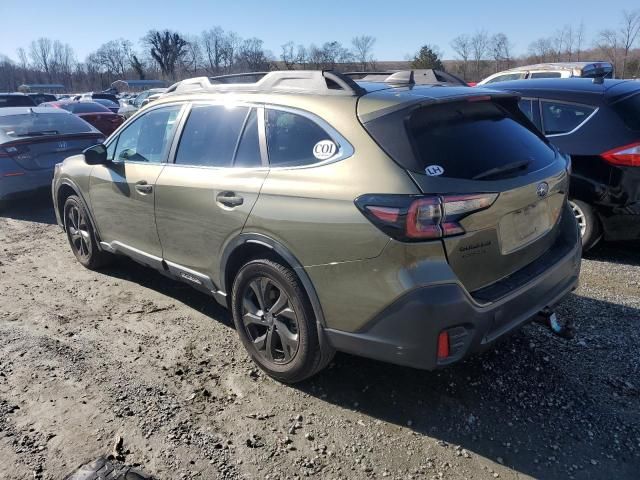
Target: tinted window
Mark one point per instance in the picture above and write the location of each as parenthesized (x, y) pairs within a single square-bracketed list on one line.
[(210, 135), (468, 139), (526, 106), (545, 75), (507, 77), (84, 107), (629, 111), (291, 139), (248, 154), (105, 96), (563, 117), (148, 138), (16, 101), (38, 124)]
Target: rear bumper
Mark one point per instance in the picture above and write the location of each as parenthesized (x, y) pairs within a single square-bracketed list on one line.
[(406, 332), (22, 182)]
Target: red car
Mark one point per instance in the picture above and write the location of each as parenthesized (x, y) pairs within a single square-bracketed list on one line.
[(91, 112)]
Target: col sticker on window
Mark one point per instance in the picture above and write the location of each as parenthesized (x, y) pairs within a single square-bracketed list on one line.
[(324, 149)]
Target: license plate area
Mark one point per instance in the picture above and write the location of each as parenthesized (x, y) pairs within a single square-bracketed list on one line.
[(523, 227)]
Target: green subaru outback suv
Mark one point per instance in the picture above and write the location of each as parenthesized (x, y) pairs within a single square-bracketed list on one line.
[(404, 222)]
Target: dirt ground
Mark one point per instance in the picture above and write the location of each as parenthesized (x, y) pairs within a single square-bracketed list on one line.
[(86, 357)]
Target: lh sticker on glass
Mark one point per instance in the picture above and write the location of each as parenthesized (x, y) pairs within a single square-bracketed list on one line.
[(434, 170)]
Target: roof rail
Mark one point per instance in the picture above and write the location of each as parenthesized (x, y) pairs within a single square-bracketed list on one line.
[(427, 76), (320, 82)]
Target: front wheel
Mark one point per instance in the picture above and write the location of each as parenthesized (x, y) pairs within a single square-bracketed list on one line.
[(275, 322), (81, 235), (588, 223)]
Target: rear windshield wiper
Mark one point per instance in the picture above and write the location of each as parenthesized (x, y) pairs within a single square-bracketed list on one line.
[(510, 167)]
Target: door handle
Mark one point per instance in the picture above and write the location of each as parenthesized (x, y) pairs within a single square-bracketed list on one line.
[(143, 187), (229, 199)]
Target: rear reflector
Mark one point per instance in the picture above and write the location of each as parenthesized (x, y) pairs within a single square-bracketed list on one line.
[(627, 156), (13, 174), (443, 345)]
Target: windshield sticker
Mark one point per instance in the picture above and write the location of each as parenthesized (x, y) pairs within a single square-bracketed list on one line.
[(324, 149), (434, 170)]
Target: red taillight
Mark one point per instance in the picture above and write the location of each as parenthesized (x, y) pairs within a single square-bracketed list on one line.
[(443, 345), (627, 156), (421, 218)]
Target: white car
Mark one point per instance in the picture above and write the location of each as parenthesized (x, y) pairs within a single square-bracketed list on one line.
[(553, 70)]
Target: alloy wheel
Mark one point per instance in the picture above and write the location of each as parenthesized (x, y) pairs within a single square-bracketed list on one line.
[(270, 320), (580, 217), (79, 235)]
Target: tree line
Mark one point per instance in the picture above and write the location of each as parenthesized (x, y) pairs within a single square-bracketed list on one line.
[(171, 55)]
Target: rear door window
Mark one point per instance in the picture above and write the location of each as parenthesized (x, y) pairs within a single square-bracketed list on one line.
[(292, 140), (211, 135), (526, 105), (561, 118), (248, 152), (467, 139)]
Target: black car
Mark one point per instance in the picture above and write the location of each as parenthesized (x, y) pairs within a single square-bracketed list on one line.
[(16, 100), (597, 122)]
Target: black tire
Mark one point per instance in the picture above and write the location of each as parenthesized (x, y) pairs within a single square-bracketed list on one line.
[(81, 235), (279, 333), (588, 223)]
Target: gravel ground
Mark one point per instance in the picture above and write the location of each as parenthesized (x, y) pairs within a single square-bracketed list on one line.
[(88, 357)]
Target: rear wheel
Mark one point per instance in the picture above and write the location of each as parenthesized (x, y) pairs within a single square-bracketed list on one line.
[(81, 235), (275, 322), (588, 223)]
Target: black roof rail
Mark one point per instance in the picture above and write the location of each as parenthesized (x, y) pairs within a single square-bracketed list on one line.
[(427, 76), (319, 82)]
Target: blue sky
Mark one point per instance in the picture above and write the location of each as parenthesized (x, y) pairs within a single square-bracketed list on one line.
[(400, 27)]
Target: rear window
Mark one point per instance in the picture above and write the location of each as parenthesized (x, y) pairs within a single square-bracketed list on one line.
[(85, 107), (105, 96), (16, 101), (38, 124), (629, 111), (469, 139)]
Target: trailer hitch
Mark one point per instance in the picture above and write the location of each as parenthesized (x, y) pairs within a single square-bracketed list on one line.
[(565, 329)]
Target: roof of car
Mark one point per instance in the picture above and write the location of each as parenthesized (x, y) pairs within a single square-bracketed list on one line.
[(557, 66), (27, 110), (565, 84), (15, 94)]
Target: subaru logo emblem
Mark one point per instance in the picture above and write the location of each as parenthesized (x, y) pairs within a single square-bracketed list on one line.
[(542, 189)]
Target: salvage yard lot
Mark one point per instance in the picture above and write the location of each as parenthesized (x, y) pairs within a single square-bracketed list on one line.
[(86, 357)]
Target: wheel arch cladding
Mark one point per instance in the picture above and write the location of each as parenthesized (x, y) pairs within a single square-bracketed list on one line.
[(250, 247)]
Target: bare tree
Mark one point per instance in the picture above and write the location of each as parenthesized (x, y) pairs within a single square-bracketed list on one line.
[(542, 50), (252, 55), (214, 43), (607, 42), (192, 60), (138, 66), (500, 48), (288, 55), (115, 56), (479, 48), (301, 56), (463, 47), (40, 52), (167, 48), (363, 48), (232, 45), (628, 35), (580, 34)]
